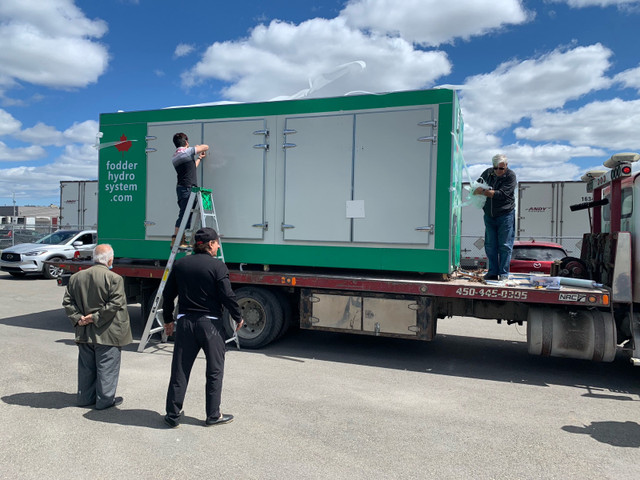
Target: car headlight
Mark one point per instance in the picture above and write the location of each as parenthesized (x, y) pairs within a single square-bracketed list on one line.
[(35, 253)]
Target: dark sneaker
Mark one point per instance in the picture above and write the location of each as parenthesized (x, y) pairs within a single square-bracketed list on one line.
[(490, 277), (218, 421)]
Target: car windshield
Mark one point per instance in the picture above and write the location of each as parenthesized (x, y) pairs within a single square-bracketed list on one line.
[(58, 238), (547, 254)]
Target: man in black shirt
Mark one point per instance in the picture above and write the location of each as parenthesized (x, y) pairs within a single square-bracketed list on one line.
[(201, 283)]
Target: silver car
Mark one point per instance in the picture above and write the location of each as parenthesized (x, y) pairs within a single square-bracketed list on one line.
[(61, 245)]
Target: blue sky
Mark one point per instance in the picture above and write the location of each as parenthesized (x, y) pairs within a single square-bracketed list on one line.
[(552, 83)]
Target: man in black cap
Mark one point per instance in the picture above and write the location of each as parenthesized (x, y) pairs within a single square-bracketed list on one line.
[(201, 283)]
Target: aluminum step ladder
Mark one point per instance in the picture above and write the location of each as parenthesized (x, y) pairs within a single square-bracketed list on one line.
[(201, 208)]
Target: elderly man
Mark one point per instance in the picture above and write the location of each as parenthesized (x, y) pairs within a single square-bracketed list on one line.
[(96, 304), (499, 216)]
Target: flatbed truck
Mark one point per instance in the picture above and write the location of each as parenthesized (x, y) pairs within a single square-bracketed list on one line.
[(391, 265)]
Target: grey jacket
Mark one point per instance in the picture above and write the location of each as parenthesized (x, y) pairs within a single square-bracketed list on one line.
[(99, 291)]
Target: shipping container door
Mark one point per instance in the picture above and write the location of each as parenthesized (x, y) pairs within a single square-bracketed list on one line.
[(235, 171), (69, 204), (536, 217), (90, 204), (572, 224), (395, 176), (162, 203), (318, 155)]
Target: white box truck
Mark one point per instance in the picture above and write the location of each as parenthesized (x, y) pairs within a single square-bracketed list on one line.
[(79, 204)]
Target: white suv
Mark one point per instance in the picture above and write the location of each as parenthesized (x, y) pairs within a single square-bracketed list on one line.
[(61, 245)]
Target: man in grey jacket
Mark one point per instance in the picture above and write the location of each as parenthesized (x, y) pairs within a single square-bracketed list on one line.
[(96, 304)]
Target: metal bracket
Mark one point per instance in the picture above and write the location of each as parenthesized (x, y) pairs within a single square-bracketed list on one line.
[(148, 223), (264, 226), (431, 139), (288, 145), (150, 149), (429, 123), (285, 226), (264, 146), (428, 229)]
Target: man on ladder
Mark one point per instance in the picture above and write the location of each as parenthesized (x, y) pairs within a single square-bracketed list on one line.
[(185, 160), (201, 283)]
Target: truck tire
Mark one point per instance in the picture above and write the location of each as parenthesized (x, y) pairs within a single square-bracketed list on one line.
[(262, 314), (51, 271), (287, 313)]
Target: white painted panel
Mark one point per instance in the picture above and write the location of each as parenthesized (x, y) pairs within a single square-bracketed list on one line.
[(69, 204), (235, 171), (536, 216), (162, 203), (395, 176), (318, 172)]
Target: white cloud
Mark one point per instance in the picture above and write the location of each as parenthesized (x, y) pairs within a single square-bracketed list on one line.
[(613, 124), (629, 78), (50, 43), (44, 135), (183, 49), (518, 89), (84, 132), (22, 154), (597, 3), (8, 124), (278, 59), (77, 162), (433, 22), (41, 134)]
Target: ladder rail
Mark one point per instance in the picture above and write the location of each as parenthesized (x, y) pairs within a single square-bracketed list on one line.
[(195, 202)]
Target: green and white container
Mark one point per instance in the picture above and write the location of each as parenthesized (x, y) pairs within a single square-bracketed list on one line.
[(360, 182)]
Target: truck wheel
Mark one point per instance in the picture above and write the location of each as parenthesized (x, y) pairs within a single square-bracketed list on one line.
[(287, 312), (52, 271), (262, 314)]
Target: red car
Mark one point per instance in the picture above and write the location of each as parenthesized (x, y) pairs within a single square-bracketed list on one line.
[(535, 257)]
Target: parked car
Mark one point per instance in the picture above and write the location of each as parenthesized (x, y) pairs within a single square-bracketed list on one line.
[(535, 257), (61, 245)]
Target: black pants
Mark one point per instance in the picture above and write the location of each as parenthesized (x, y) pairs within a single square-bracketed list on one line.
[(195, 332), (183, 194)]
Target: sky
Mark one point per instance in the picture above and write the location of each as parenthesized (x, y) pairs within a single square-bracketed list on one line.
[(553, 84)]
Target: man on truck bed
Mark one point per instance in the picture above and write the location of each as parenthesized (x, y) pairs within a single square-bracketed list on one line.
[(186, 160), (201, 283), (499, 216)]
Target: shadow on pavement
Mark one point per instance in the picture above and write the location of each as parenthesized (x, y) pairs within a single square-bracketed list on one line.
[(618, 434), (460, 356), (51, 400)]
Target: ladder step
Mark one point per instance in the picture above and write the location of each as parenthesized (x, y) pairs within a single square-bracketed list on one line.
[(200, 200)]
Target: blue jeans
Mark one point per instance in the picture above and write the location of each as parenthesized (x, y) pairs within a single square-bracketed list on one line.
[(498, 242)]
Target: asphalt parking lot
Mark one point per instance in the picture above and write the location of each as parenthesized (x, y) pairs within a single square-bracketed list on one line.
[(316, 406)]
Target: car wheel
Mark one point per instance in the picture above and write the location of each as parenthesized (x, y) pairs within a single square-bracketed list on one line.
[(52, 271)]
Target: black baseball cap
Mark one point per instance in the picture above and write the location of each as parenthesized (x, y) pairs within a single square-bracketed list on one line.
[(206, 235)]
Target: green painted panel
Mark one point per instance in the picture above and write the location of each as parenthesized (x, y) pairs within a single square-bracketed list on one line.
[(122, 186), (122, 182)]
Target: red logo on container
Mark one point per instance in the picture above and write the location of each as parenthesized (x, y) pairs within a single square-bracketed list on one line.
[(124, 145)]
